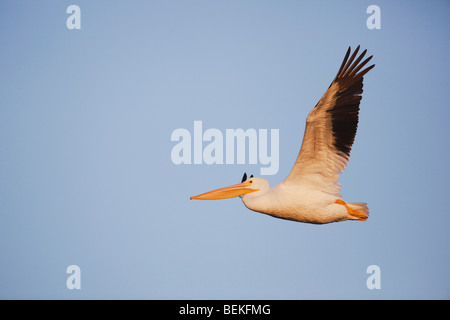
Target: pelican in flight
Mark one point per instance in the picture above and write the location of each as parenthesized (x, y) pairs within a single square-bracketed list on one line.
[(311, 193)]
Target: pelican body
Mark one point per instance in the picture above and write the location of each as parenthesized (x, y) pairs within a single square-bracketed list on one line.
[(311, 193)]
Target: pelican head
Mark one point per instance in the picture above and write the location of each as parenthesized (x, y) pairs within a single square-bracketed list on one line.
[(248, 186)]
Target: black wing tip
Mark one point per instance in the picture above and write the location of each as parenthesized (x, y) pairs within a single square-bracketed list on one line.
[(345, 113), (350, 66)]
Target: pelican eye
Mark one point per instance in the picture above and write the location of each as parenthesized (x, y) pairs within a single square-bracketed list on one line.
[(250, 181)]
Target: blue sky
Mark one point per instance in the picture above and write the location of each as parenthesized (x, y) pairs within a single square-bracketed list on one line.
[(86, 175)]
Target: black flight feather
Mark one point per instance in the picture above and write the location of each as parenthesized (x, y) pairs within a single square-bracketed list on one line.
[(346, 110)]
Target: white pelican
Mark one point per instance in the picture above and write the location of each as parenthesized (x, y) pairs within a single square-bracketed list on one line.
[(311, 193)]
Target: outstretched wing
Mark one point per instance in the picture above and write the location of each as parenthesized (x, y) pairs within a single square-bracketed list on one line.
[(331, 128)]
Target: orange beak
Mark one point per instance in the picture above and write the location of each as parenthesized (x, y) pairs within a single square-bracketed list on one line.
[(227, 192)]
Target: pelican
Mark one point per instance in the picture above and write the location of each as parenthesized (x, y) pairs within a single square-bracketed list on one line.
[(311, 193)]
